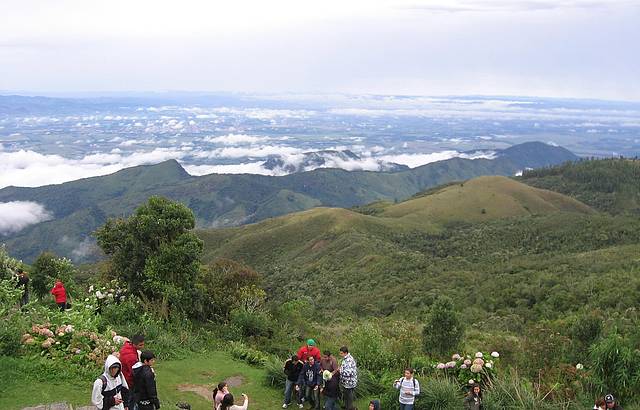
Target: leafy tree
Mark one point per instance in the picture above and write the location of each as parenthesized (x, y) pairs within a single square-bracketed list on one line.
[(8, 265), (49, 267), (155, 253), (443, 329)]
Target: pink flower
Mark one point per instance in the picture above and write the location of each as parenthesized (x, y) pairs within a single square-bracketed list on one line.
[(476, 368), (441, 366), (467, 362)]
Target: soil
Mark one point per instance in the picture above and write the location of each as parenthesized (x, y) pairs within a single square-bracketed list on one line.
[(203, 391), (234, 381)]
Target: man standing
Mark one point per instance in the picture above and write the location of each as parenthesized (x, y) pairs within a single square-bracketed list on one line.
[(309, 380), (409, 389), (611, 402), (328, 362), (348, 377), (292, 368), (144, 390), (23, 282), (307, 350), (129, 356)]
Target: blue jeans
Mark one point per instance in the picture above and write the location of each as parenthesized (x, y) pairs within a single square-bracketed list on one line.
[(406, 406), (288, 390), (330, 403), (312, 396)]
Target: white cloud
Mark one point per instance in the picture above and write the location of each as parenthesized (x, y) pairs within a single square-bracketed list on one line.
[(17, 215), (235, 139), (243, 168), (248, 152), (416, 160), (31, 169)]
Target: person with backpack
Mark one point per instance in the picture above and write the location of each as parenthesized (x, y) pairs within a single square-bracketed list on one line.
[(473, 401), (60, 294), (330, 390), (227, 403), (292, 368), (110, 390), (348, 371), (309, 380), (409, 388), (144, 382)]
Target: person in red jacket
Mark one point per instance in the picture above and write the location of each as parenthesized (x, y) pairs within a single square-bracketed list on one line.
[(129, 356), (60, 294), (309, 349)]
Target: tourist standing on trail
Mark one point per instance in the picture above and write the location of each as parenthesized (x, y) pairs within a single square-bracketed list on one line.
[(219, 393), (110, 390), (144, 382), (330, 390), (409, 389), (328, 362), (473, 401), (129, 356), (292, 368), (60, 295), (309, 380), (227, 403), (348, 377), (23, 282), (307, 350)]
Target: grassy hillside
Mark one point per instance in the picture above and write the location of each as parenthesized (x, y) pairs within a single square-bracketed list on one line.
[(80, 206)]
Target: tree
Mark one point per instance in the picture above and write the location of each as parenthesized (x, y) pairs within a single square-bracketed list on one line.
[(443, 329), (155, 252), (46, 269)]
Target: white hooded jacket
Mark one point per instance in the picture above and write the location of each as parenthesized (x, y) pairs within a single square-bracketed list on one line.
[(113, 386)]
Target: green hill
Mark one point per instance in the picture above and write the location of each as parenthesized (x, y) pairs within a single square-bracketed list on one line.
[(79, 207)]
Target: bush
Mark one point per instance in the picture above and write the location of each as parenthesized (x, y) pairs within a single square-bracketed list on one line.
[(252, 356), (369, 348), (251, 324), (435, 394), (614, 362), (275, 376), (443, 328), (513, 392)]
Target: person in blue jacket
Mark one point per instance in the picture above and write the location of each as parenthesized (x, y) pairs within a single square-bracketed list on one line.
[(310, 380)]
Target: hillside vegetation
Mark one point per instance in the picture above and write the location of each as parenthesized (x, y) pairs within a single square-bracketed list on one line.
[(79, 207)]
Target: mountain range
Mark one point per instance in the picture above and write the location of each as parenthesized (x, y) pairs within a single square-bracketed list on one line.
[(79, 207)]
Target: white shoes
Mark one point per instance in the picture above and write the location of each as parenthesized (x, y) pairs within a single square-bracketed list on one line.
[(284, 406)]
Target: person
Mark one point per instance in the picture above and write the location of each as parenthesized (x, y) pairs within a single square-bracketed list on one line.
[(292, 368), (599, 404), (219, 393), (227, 403), (307, 350), (330, 390), (129, 356), (144, 382), (611, 402), (23, 282), (473, 400), (348, 377), (328, 362), (110, 390), (60, 295), (374, 405), (409, 388), (309, 380)]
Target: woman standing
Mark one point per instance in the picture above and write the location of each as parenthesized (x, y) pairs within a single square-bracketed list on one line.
[(473, 401)]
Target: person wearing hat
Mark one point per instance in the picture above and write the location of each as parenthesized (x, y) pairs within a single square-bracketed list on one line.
[(611, 402), (330, 390), (307, 350)]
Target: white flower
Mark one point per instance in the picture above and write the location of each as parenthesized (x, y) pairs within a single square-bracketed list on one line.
[(451, 365), (471, 381), (488, 365), (455, 357), (86, 299), (479, 354), (476, 368), (99, 295), (467, 362), (441, 366), (463, 366), (495, 354), (579, 366), (91, 288), (118, 339)]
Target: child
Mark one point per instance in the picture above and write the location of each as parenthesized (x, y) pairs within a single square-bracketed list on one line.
[(144, 382), (110, 390)]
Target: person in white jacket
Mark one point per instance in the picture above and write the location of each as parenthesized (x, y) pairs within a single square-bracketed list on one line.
[(409, 389), (227, 403), (110, 390)]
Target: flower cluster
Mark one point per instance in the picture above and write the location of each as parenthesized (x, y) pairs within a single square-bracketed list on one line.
[(476, 368), (64, 342), (100, 296)]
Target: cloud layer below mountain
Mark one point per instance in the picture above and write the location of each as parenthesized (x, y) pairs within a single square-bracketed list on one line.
[(17, 215)]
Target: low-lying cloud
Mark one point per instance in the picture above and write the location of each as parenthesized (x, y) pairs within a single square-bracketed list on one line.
[(17, 215)]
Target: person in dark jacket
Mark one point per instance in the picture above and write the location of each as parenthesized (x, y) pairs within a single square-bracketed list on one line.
[(374, 405), (473, 401), (23, 282), (309, 379), (292, 368), (144, 382), (330, 390), (611, 402)]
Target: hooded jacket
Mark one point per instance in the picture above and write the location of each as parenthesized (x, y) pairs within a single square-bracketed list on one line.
[(107, 388), (332, 386), (128, 358), (293, 370), (59, 292), (310, 375), (144, 385)]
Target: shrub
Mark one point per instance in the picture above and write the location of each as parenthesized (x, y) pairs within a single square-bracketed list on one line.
[(513, 392), (251, 324), (615, 367), (275, 376), (252, 356), (369, 347), (443, 328)]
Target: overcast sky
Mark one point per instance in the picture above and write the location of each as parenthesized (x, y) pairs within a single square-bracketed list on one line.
[(563, 48)]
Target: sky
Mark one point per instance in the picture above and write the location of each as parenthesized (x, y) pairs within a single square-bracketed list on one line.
[(557, 48)]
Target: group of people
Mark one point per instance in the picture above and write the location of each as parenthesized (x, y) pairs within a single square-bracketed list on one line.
[(608, 402), (128, 381), (58, 291), (224, 400), (311, 375)]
